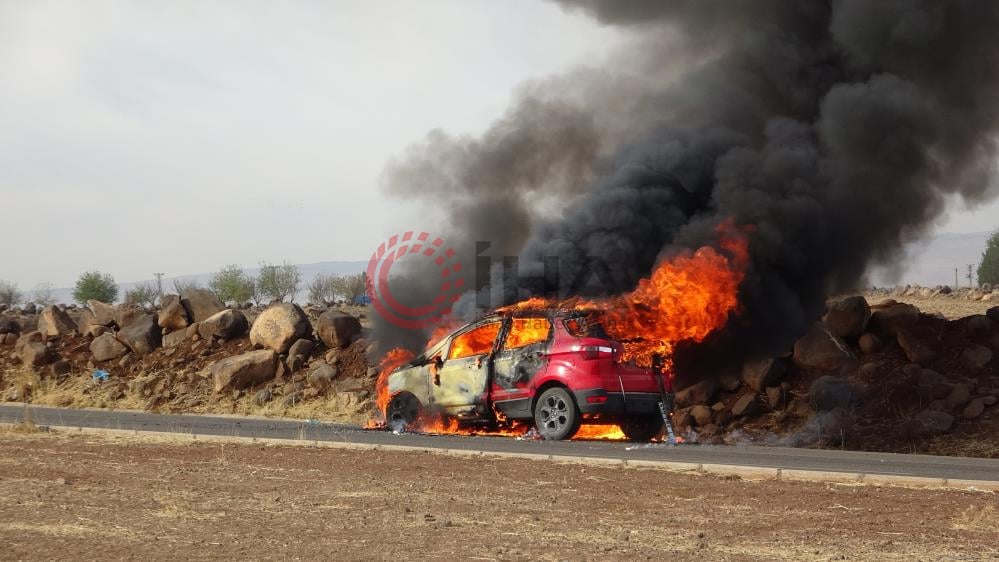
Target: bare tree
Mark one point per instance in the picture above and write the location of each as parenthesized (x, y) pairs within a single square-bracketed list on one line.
[(10, 294), (143, 294), (182, 286), (322, 289), (44, 294), (350, 286)]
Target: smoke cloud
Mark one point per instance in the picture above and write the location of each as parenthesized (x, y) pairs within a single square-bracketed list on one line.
[(838, 129)]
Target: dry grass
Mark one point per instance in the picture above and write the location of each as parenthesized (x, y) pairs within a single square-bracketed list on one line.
[(982, 518)]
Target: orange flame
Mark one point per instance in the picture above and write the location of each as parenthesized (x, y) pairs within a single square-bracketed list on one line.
[(389, 363)]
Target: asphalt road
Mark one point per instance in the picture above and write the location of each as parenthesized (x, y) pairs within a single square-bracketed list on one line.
[(753, 456)]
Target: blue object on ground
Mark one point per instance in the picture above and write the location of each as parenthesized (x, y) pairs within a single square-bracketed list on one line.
[(100, 375)]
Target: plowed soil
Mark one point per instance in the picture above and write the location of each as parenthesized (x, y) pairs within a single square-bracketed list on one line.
[(65, 496)]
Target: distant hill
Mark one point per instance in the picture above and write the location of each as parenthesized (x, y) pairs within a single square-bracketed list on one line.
[(309, 271), (932, 262)]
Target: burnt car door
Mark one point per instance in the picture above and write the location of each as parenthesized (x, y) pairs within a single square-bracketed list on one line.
[(459, 386), (522, 354)]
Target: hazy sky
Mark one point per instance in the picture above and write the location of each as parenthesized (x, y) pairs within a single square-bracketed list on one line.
[(181, 136)]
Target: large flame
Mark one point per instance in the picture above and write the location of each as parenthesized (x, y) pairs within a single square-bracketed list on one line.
[(686, 298)]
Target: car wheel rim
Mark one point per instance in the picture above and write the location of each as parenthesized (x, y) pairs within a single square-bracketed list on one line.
[(403, 410), (554, 413)]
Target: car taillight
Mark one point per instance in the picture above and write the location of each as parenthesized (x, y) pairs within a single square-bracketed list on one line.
[(594, 351)]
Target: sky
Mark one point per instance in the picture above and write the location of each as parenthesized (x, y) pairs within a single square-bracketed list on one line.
[(177, 137)]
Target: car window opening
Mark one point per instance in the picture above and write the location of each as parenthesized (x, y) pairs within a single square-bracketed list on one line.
[(475, 342), (527, 331)]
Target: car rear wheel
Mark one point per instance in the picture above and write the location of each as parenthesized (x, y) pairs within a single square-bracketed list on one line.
[(402, 411), (556, 415), (642, 428)]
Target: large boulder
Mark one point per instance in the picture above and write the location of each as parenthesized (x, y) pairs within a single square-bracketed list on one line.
[(87, 324), (818, 349), (303, 348), (828, 393), (104, 313), (976, 357), (870, 343), (280, 326), (201, 304), (931, 422), (142, 335), (323, 376), (9, 325), (226, 325), (35, 354), (917, 350), (127, 314), (746, 405), (848, 318), (173, 339), (888, 320), (337, 329), (701, 393), (993, 314), (760, 373), (106, 348), (54, 322), (244, 371), (173, 315)]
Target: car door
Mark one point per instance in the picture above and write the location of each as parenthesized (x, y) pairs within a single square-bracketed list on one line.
[(459, 386), (522, 354)]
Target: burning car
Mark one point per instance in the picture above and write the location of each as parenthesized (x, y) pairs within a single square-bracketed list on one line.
[(556, 368)]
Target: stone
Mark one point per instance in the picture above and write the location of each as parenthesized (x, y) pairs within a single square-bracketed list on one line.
[(262, 397), (142, 335), (103, 313), (989, 400), (173, 315), (729, 383), (301, 347), (818, 349), (337, 329), (54, 322), (279, 327), (870, 343), (226, 325), (174, 339), (976, 357), (352, 384), (745, 406), (35, 354), (775, 397), (201, 304), (87, 324), (107, 348), (244, 371), (761, 373), (960, 394), (887, 321), (323, 376), (847, 318), (9, 325), (701, 393), (59, 369), (974, 409), (9, 339), (932, 385), (126, 314), (25, 339), (332, 356), (979, 324), (828, 393), (915, 349), (930, 422), (701, 414)]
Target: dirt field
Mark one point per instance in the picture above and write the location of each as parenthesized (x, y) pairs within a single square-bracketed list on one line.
[(83, 496), (950, 308)]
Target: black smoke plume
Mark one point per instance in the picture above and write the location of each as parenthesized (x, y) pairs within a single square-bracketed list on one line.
[(839, 129)]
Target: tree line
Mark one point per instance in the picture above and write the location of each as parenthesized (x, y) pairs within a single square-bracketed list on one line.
[(231, 284)]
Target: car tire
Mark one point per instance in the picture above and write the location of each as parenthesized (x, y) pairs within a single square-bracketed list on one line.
[(403, 411), (642, 428), (556, 415)]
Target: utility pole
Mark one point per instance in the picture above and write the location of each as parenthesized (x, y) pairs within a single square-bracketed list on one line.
[(970, 276), (159, 285), (955, 278)]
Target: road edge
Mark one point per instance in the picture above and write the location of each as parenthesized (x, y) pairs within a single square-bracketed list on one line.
[(723, 470)]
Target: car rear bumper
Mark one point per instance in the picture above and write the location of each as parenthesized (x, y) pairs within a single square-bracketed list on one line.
[(599, 401)]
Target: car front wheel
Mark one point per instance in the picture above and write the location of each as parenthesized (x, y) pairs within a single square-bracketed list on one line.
[(556, 415), (402, 411)]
